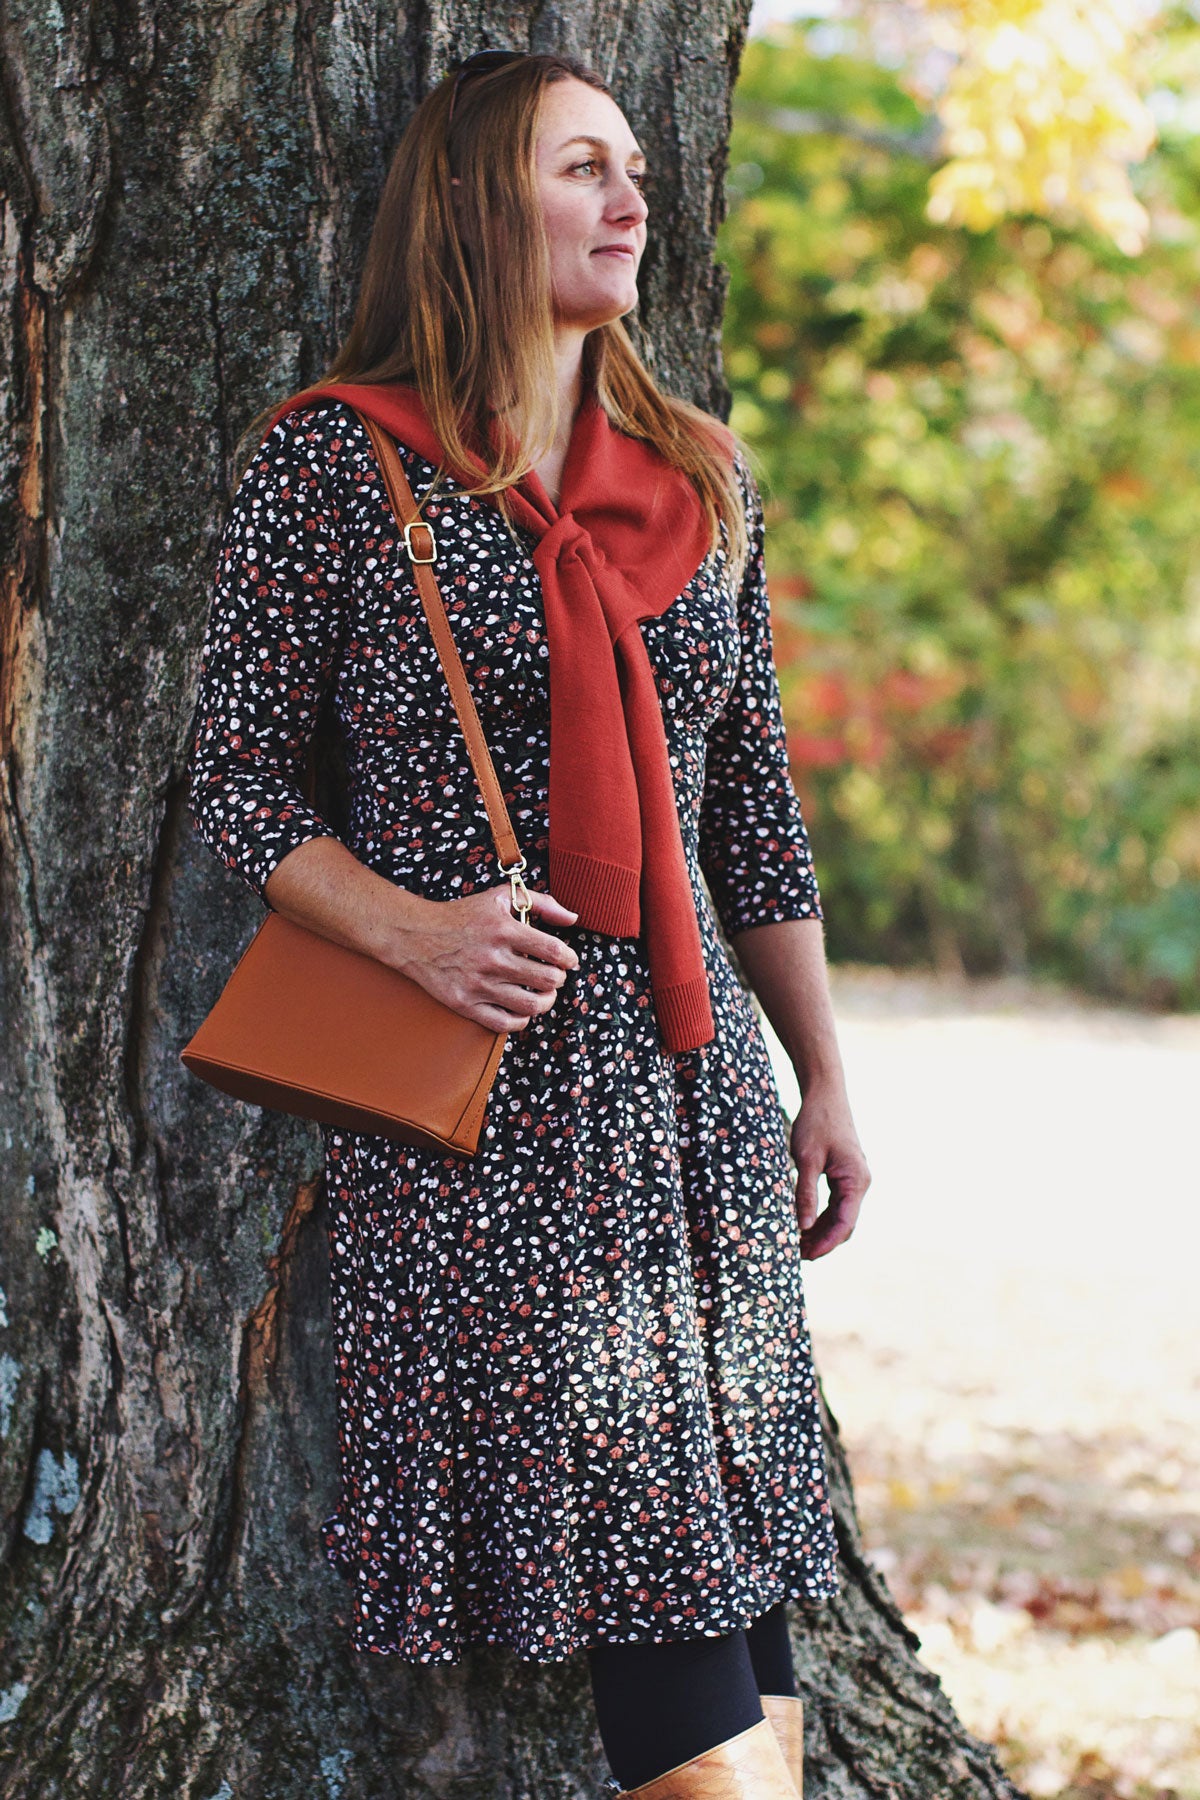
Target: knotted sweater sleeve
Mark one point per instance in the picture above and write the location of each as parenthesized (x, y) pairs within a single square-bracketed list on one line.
[(269, 650), (753, 843)]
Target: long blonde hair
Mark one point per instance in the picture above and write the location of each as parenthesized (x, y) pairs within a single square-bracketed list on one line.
[(456, 299)]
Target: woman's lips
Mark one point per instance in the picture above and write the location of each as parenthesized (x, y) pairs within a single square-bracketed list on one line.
[(614, 250)]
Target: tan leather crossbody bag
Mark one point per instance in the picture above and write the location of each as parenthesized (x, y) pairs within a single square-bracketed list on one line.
[(308, 1027)]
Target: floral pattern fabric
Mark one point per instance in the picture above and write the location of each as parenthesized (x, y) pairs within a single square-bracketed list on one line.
[(576, 1401)]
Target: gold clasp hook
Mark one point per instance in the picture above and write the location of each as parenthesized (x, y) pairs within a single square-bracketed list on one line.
[(522, 905)]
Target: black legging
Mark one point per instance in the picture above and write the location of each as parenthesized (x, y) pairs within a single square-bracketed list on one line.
[(658, 1705)]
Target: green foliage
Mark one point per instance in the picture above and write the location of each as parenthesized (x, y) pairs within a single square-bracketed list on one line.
[(980, 454)]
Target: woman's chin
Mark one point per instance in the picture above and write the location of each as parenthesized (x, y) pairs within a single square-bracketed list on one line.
[(603, 308)]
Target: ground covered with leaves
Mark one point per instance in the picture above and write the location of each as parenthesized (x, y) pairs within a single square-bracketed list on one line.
[(1009, 1344)]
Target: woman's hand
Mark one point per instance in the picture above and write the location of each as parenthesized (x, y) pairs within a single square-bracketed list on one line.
[(785, 963), (824, 1142), (480, 960), (472, 954)]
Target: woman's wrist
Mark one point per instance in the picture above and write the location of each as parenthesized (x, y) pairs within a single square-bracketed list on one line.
[(818, 1071), (322, 885), (784, 962), (393, 922)]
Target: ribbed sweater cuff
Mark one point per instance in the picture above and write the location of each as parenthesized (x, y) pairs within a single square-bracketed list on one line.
[(684, 1014), (604, 894)]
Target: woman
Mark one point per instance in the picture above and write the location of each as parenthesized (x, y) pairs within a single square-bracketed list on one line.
[(576, 1401)]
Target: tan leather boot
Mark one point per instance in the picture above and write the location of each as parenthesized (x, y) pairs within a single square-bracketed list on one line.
[(749, 1766), (786, 1715)]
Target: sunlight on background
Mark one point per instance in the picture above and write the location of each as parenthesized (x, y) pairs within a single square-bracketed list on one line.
[(1009, 1345), (962, 340), (1038, 101)]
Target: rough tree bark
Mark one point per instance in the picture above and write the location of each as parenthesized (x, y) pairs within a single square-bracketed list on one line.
[(187, 192)]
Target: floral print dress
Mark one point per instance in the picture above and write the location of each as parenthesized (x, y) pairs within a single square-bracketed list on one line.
[(575, 1393)]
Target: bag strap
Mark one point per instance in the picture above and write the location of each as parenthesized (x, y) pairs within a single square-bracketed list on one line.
[(422, 552)]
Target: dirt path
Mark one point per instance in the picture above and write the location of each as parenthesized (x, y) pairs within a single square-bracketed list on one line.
[(1010, 1343)]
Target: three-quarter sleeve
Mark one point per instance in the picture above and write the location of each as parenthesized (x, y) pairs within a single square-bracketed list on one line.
[(270, 645), (753, 845)]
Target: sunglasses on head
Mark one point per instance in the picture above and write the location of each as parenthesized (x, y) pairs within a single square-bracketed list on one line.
[(474, 65)]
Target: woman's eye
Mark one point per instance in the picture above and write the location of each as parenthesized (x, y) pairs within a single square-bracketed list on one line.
[(590, 162)]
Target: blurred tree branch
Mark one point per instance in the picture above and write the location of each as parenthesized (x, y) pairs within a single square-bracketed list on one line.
[(928, 144)]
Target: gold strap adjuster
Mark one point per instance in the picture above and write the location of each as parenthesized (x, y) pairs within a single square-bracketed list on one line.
[(522, 905), (420, 525)]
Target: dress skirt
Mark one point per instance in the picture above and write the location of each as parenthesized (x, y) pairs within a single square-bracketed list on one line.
[(575, 1393)]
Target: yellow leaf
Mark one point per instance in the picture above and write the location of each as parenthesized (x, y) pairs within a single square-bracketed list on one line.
[(903, 1495), (1041, 111), (1131, 1582)]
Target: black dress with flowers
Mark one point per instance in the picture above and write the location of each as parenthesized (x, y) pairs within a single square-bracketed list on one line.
[(575, 1393)]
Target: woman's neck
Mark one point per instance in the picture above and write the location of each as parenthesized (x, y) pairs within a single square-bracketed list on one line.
[(568, 371), (568, 368), (568, 364)]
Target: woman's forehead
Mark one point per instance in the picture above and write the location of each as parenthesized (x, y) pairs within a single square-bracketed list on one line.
[(573, 112)]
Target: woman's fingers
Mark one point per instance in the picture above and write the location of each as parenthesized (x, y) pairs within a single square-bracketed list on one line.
[(809, 1164), (824, 1142), (528, 941), (546, 906), (832, 1228), (495, 968), (523, 971), (510, 1009), (497, 1018), (517, 998), (848, 1178)]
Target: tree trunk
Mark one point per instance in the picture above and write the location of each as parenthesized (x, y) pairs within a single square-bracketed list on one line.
[(187, 194)]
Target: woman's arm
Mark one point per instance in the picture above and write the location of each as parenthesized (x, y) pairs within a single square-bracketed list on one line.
[(270, 648), (753, 845), (471, 954), (756, 859), (323, 886), (785, 966)]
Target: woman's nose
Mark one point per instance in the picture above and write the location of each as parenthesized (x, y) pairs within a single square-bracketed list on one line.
[(630, 203)]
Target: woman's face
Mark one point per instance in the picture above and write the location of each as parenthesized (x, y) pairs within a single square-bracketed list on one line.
[(589, 174)]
